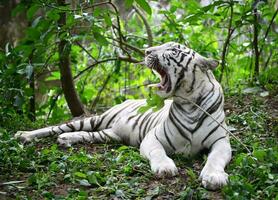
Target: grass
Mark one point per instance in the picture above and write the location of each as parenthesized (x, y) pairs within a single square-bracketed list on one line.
[(113, 171)]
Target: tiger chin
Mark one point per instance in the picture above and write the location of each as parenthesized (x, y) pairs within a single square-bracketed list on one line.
[(179, 127)]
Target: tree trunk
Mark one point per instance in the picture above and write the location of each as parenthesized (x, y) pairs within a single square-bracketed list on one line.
[(70, 93), (255, 45)]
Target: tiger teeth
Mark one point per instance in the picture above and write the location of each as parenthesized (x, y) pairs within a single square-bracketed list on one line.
[(153, 85)]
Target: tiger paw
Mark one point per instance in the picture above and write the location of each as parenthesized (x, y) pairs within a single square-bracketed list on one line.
[(213, 179), (164, 167), (64, 141), (24, 136)]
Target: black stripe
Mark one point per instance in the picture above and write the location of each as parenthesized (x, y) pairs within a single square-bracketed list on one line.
[(52, 130), (194, 78), (216, 141), (61, 129), (186, 115), (178, 64), (92, 123), (171, 115), (211, 132), (112, 118), (168, 139), (216, 118), (136, 121), (102, 117), (210, 110), (145, 128), (140, 126), (151, 123), (70, 126), (157, 138), (101, 137), (81, 125), (107, 135), (183, 55)]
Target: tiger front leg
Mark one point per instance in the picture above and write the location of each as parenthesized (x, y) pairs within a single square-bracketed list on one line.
[(213, 175), (153, 150)]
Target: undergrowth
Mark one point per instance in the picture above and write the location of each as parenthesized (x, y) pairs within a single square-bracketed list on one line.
[(43, 170)]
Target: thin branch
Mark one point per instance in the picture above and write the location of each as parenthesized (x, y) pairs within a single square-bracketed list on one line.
[(84, 49), (92, 66), (118, 23), (226, 44), (255, 44), (131, 47), (100, 91), (147, 26), (126, 59), (268, 30)]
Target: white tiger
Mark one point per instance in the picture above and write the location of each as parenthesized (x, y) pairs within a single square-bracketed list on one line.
[(179, 127)]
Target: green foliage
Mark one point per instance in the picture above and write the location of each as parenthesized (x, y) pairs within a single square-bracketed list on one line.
[(78, 173)]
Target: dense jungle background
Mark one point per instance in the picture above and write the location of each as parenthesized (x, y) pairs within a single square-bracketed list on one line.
[(63, 59)]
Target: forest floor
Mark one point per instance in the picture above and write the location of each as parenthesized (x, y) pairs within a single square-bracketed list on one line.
[(43, 170)]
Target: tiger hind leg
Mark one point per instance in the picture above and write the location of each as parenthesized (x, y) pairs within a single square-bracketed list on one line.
[(103, 136), (86, 124)]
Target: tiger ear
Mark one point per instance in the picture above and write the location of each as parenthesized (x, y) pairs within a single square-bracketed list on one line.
[(212, 64), (209, 63)]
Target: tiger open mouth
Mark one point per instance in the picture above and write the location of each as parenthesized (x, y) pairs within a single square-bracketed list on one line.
[(165, 81)]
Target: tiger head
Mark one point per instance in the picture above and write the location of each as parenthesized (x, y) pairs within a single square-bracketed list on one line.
[(176, 66)]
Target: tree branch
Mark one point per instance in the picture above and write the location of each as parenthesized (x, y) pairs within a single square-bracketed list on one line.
[(147, 26), (255, 44), (84, 49), (68, 87), (226, 43), (100, 91), (268, 29)]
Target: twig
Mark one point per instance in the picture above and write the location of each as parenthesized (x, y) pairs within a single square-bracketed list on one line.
[(233, 135), (268, 29), (92, 66), (84, 49), (226, 44), (131, 47), (11, 182), (100, 91), (147, 26), (255, 44)]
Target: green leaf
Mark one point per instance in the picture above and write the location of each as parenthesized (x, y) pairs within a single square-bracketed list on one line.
[(31, 11), (100, 39), (145, 6), (107, 19), (129, 3), (53, 15), (33, 34), (144, 109), (259, 154), (54, 76), (80, 175)]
